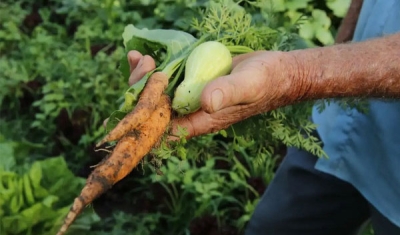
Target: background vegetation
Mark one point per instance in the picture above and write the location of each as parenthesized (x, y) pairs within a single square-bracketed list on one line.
[(59, 80)]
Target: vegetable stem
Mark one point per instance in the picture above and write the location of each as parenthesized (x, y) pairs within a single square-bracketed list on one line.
[(180, 62), (239, 49)]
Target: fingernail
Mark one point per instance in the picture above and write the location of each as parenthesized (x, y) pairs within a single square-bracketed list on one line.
[(216, 99)]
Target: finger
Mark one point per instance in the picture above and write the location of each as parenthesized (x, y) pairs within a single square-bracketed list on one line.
[(239, 58), (200, 122), (195, 124), (133, 59), (145, 65), (229, 90)]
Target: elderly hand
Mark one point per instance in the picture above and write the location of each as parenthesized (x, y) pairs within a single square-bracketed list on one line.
[(259, 82)]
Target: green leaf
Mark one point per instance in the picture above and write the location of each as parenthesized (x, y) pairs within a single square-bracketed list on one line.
[(235, 177), (7, 160), (49, 107), (296, 4), (318, 27), (150, 42), (320, 18), (35, 176), (324, 36), (168, 47), (143, 39), (339, 7), (307, 31), (36, 199), (131, 96), (27, 218), (188, 177), (61, 179), (53, 97), (114, 118), (278, 5)]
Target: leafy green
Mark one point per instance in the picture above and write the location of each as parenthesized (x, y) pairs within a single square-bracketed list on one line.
[(59, 80), (339, 7), (122, 223), (229, 23), (169, 48), (197, 188), (317, 27), (234, 26), (317, 20), (44, 188)]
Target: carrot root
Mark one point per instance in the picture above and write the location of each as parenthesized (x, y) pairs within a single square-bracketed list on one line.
[(146, 105), (126, 155)]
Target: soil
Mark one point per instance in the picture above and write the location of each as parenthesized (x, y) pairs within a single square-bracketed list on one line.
[(208, 225)]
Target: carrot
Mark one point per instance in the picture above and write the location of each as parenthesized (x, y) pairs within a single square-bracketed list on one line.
[(128, 152), (146, 105)]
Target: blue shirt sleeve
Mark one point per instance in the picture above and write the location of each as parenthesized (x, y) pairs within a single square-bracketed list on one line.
[(364, 149)]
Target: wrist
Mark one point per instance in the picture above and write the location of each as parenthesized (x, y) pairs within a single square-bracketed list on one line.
[(301, 74)]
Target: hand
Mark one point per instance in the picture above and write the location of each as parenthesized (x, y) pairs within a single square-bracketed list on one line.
[(259, 82)]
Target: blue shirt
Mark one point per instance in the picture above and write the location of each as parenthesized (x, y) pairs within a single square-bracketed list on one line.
[(364, 149)]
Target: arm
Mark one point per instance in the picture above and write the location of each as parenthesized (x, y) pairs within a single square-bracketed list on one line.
[(265, 80), (364, 69)]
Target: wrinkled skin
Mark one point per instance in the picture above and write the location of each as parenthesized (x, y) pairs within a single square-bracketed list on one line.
[(264, 80), (229, 99)]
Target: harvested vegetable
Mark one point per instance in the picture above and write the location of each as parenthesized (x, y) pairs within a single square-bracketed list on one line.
[(205, 63), (146, 105), (126, 155), (185, 64)]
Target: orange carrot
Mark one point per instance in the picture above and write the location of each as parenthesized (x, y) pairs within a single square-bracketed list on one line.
[(149, 98), (128, 152)]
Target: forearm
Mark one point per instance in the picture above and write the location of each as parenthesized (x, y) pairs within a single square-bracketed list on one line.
[(363, 69)]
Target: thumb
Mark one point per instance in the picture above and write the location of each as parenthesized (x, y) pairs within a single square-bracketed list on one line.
[(227, 91)]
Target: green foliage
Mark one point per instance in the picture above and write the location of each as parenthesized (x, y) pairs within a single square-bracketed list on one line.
[(217, 185), (47, 71), (121, 223), (368, 230), (318, 18), (59, 79), (233, 25), (176, 44), (35, 197)]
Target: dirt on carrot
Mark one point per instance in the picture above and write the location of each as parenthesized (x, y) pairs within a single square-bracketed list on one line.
[(128, 152), (146, 105)]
